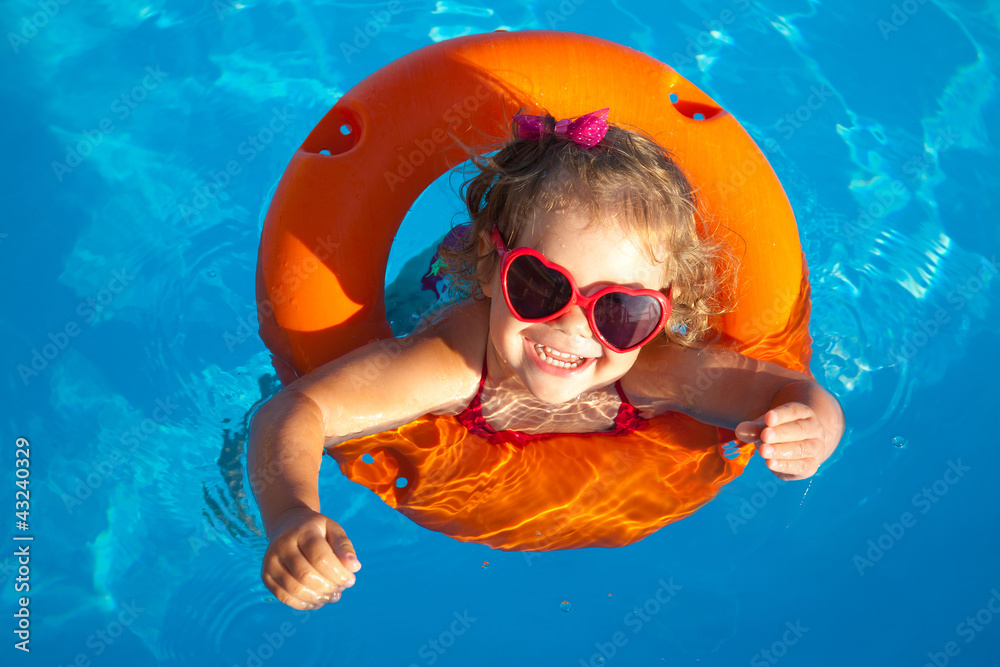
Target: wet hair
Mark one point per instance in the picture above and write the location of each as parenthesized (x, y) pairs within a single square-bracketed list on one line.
[(628, 182)]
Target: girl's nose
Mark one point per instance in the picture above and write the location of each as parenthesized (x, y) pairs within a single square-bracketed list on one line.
[(573, 323)]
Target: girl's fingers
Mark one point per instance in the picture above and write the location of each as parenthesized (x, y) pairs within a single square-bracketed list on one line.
[(303, 581), (785, 423), (787, 413), (793, 468), (302, 567), (316, 550), (799, 449), (800, 429), (284, 596), (749, 431), (288, 589), (343, 548)]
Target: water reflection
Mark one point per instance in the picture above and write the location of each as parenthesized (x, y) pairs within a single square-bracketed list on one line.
[(591, 412)]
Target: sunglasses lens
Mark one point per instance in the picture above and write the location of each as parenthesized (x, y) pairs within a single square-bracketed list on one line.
[(625, 320), (536, 291)]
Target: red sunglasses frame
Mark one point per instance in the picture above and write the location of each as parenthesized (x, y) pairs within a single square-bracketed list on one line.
[(577, 298)]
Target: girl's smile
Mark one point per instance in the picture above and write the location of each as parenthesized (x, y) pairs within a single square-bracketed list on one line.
[(560, 364), (561, 359)]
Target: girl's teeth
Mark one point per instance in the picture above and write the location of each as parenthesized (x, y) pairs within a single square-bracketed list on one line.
[(557, 358)]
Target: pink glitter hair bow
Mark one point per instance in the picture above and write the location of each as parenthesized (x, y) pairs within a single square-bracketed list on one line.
[(586, 131)]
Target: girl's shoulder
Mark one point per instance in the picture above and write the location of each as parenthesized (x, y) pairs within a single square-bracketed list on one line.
[(649, 384), (459, 333), (464, 326), (665, 375)]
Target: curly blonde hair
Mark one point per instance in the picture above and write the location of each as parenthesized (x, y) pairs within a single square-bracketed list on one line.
[(627, 181)]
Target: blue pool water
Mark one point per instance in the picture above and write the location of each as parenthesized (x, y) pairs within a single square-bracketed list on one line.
[(132, 360)]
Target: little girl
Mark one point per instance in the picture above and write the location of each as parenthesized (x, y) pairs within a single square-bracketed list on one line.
[(587, 300)]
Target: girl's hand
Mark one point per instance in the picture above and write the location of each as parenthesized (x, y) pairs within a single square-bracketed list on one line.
[(790, 438), (309, 561)]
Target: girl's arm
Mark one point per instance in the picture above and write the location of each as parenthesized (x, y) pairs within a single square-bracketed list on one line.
[(310, 560), (795, 423), (375, 388)]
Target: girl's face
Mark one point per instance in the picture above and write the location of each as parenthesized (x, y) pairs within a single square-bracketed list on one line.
[(596, 257)]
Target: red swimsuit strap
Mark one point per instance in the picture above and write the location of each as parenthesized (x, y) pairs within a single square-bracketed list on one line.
[(627, 420)]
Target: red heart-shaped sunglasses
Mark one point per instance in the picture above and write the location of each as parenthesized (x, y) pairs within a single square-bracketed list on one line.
[(537, 290)]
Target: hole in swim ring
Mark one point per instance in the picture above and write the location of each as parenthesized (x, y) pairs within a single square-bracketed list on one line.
[(339, 132), (694, 110), (367, 458), (401, 482)]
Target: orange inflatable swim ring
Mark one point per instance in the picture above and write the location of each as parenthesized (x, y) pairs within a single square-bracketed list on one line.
[(326, 240)]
